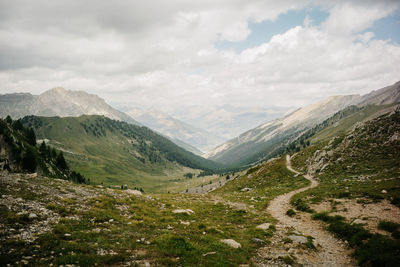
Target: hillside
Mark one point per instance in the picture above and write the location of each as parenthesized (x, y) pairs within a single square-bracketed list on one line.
[(19, 152), (266, 140), (58, 102), (117, 153), (176, 129)]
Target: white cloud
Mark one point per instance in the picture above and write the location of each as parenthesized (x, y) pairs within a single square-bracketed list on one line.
[(163, 53)]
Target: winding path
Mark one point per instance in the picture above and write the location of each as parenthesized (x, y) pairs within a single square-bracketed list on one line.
[(331, 251)]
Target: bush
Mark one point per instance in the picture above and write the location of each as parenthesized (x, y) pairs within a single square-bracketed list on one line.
[(353, 233), (173, 245), (323, 216), (379, 251), (388, 226), (290, 212)]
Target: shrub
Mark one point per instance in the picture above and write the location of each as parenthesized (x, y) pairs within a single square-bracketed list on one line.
[(290, 212), (388, 226), (379, 250)]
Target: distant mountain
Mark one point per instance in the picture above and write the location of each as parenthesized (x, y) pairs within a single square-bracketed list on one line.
[(176, 129), (58, 102), (265, 139), (227, 121), (115, 152)]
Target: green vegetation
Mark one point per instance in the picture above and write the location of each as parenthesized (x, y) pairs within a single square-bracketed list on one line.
[(117, 153), (290, 213), (261, 184), (355, 167), (22, 154), (388, 226), (370, 249)]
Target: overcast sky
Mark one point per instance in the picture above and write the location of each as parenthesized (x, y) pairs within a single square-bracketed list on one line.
[(208, 52)]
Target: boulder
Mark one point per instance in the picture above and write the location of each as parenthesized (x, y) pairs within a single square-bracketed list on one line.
[(263, 226), (257, 241), (232, 243), (184, 211), (32, 216)]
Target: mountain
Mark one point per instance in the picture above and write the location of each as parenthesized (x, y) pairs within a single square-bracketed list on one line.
[(264, 140), (227, 121), (58, 102), (114, 152), (176, 129)]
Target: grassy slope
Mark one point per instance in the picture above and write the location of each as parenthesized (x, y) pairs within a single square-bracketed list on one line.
[(265, 181), (113, 158), (132, 229), (363, 163)]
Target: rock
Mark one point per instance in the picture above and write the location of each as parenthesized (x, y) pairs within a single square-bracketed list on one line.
[(133, 192), (185, 222), (209, 253), (67, 235), (246, 189), (232, 243), (257, 241), (187, 211), (263, 226), (358, 221), (298, 239), (384, 191), (32, 216)]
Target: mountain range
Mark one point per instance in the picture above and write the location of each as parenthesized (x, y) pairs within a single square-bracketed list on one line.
[(176, 129), (261, 142), (59, 102)]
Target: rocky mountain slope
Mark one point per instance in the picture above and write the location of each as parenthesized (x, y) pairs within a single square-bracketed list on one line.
[(264, 140), (58, 102), (117, 153), (176, 129)]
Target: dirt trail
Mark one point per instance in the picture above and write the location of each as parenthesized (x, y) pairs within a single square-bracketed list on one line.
[(331, 251)]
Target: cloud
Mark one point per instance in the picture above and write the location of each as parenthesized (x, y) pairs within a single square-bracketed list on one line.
[(162, 53)]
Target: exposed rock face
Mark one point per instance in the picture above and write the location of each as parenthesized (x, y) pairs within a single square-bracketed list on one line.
[(58, 102)]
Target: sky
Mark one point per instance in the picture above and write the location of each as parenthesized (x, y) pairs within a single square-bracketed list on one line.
[(178, 53)]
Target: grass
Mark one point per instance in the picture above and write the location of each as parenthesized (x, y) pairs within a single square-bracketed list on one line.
[(265, 181)]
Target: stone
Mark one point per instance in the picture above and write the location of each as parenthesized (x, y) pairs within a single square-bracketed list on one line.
[(257, 241), (32, 216), (133, 192), (232, 243), (263, 226), (186, 211), (384, 191), (298, 239)]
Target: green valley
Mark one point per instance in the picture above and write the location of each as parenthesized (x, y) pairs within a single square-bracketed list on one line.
[(117, 153)]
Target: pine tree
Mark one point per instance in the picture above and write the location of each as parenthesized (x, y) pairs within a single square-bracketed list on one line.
[(29, 161), (60, 161), (31, 136)]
